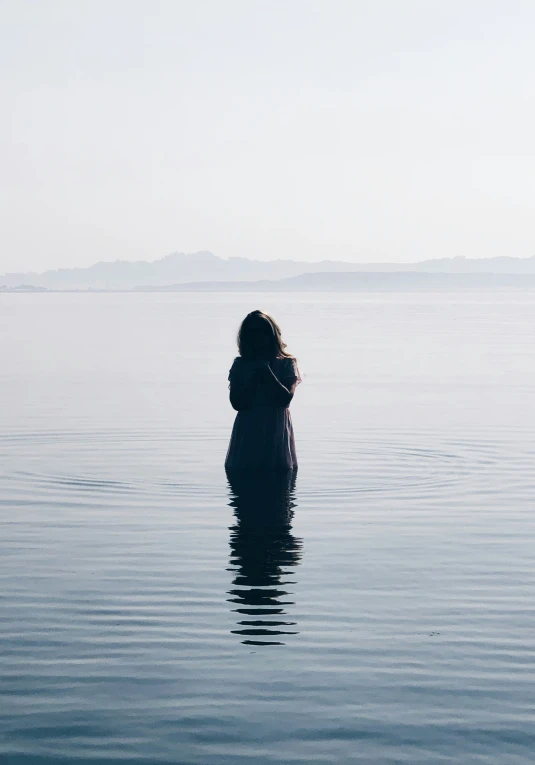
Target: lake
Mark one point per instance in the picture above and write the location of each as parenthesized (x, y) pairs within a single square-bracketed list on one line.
[(380, 609)]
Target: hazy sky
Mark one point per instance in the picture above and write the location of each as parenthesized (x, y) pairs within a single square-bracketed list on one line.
[(359, 129)]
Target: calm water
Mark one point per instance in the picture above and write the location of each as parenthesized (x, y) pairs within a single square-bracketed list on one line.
[(381, 609)]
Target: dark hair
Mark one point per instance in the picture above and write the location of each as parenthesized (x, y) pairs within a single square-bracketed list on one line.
[(244, 338)]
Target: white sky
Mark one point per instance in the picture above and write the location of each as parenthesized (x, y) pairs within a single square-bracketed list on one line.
[(351, 129)]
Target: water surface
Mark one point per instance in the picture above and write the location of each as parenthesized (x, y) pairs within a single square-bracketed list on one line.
[(377, 608)]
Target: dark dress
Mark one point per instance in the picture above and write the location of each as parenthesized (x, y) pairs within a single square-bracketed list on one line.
[(263, 436)]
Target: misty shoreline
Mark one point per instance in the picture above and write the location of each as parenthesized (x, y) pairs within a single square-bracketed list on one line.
[(351, 281)]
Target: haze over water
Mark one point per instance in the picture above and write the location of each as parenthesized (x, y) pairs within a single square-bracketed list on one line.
[(380, 612)]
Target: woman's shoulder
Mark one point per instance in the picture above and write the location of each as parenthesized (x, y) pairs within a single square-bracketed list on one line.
[(288, 366), (241, 363), (240, 366)]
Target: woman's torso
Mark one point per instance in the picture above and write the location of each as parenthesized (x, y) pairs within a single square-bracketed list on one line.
[(282, 368)]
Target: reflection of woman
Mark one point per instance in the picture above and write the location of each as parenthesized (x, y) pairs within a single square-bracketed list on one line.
[(262, 549), (262, 381)]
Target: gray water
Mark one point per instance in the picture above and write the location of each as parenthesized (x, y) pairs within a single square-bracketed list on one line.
[(382, 613)]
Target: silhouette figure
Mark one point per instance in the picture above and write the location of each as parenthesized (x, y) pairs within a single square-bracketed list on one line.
[(263, 549), (262, 382)]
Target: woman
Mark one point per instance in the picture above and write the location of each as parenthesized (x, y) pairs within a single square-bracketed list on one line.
[(262, 381)]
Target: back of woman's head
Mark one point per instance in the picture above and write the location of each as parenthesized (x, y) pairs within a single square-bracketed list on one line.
[(259, 334)]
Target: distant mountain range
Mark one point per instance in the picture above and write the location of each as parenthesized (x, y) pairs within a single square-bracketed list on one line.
[(362, 281), (349, 281), (181, 268)]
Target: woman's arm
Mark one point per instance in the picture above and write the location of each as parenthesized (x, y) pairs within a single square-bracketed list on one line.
[(282, 392), (241, 394)]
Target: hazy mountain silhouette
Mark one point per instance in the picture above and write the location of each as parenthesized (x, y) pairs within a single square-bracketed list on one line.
[(354, 281), (180, 268)]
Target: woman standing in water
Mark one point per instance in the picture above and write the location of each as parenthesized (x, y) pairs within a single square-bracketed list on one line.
[(262, 381)]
